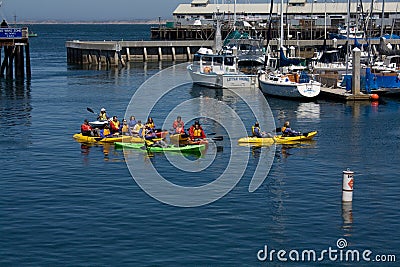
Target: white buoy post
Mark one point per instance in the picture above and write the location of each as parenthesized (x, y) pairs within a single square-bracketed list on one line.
[(347, 186)]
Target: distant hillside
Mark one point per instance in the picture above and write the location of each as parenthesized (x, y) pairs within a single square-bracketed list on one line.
[(92, 22)]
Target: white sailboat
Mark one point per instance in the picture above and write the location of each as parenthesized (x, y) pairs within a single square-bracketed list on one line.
[(291, 84)]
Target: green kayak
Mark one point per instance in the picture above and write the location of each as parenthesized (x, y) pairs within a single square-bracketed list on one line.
[(170, 148)]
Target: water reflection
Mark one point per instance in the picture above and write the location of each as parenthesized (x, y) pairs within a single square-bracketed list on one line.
[(347, 215), (15, 111)]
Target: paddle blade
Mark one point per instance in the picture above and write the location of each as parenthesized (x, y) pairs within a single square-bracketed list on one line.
[(217, 138), (90, 110), (279, 129)]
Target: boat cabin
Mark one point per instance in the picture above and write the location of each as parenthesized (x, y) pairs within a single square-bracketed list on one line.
[(214, 63)]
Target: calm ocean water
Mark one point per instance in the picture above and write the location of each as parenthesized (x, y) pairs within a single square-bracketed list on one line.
[(63, 203)]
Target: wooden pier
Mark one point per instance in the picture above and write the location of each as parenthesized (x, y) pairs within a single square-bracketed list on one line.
[(343, 95), (118, 53), (13, 62)]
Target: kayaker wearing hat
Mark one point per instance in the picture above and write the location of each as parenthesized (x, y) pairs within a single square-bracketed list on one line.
[(103, 115), (196, 131)]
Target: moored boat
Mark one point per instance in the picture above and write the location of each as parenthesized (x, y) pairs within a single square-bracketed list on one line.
[(219, 71), (291, 85)]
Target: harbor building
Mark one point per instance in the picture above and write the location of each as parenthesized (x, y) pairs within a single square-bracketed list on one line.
[(302, 18)]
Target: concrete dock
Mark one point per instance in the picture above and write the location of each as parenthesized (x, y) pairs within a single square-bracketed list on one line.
[(343, 95)]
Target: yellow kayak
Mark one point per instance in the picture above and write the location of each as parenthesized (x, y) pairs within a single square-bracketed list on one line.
[(295, 139), (97, 139), (256, 140)]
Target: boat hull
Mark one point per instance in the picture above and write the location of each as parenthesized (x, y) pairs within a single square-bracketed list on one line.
[(230, 81), (192, 149), (96, 139), (290, 89), (295, 139), (256, 140)]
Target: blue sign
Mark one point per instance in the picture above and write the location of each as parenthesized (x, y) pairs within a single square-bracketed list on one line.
[(10, 33)]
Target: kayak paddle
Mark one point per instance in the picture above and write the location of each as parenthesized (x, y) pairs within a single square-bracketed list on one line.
[(90, 110)]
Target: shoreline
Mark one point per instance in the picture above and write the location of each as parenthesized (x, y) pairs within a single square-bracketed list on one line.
[(137, 22)]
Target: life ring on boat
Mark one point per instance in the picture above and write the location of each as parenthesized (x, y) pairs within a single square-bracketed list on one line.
[(207, 69)]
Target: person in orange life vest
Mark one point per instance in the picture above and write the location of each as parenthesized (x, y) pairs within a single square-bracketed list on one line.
[(86, 129), (178, 121), (114, 125), (105, 132), (103, 115), (196, 132)]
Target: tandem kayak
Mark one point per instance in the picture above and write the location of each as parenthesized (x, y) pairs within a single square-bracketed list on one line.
[(183, 139), (295, 139), (97, 139), (171, 148), (256, 140)]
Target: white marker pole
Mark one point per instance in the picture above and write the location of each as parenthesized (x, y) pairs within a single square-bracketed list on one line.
[(347, 187)]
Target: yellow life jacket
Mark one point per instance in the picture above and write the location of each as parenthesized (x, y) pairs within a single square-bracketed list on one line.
[(125, 128), (102, 116), (106, 132), (197, 132), (151, 125), (115, 124)]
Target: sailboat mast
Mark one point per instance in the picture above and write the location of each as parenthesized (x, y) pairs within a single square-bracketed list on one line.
[(383, 16), (348, 31), (281, 39), (234, 16)]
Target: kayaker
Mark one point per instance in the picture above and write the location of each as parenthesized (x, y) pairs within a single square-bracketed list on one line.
[(287, 131), (132, 122), (86, 129), (125, 128), (114, 125), (105, 132), (150, 123), (103, 115), (196, 131), (147, 133), (256, 131), (137, 128), (179, 129), (177, 122)]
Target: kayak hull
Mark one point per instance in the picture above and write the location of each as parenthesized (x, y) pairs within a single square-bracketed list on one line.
[(196, 149), (295, 139), (183, 140), (256, 140), (96, 139)]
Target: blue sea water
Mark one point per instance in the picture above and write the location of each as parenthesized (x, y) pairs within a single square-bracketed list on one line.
[(64, 203)]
